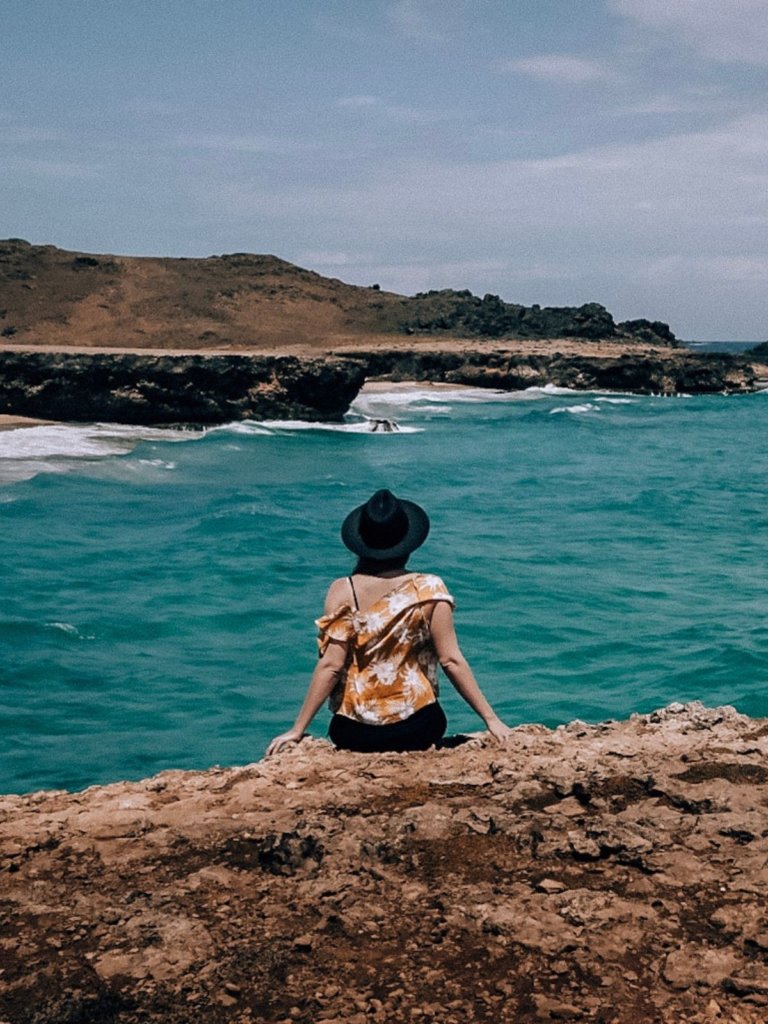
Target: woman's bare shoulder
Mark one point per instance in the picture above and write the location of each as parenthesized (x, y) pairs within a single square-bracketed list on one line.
[(338, 594)]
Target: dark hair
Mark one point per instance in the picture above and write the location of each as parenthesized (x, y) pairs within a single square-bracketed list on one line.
[(373, 566)]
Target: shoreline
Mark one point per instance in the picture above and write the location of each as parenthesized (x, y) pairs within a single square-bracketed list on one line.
[(608, 873), (10, 422), (206, 389)]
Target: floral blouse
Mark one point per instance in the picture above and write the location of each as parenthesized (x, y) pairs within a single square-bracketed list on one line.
[(391, 667)]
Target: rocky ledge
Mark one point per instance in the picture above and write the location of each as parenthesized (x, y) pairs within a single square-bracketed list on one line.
[(650, 372), (206, 389), (610, 873), (200, 389)]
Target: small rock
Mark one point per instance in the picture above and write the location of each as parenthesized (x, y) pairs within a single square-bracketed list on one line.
[(550, 886), (553, 1009)]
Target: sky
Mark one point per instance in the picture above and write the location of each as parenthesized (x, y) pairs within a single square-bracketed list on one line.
[(550, 151)]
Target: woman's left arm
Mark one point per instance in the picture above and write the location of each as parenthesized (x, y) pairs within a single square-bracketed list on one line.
[(456, 667), (325, 676)]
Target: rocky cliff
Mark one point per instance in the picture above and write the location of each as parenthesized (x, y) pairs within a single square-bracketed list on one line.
[(613, 873), (204, 389), (196, 389), (646, 371)]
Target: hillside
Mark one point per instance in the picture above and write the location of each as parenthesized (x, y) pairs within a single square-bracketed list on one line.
[(54, 298)]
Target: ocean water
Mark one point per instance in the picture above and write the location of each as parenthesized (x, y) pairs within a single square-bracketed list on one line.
[(607, 554)]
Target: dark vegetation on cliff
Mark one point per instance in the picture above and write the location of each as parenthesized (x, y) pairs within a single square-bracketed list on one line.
[(463, 313), (49, 296)]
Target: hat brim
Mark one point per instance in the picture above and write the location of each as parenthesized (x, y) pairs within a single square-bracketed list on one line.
[(415, 535)]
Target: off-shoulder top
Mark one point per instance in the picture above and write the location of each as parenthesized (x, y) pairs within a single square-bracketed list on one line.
[(391, 666)]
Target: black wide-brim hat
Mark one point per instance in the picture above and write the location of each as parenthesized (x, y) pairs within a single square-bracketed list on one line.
[(385, 527)]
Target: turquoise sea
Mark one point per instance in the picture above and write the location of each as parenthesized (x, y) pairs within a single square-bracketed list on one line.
[(607, 554)]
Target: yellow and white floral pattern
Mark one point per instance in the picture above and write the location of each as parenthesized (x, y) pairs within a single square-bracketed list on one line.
[(391, 668)]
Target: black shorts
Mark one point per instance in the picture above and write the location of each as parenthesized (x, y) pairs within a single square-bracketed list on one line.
[(421, 730)]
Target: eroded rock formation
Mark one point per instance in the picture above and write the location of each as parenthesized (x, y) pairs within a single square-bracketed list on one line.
[(612, 873), (673, 371), (146, 389), (173, 388)]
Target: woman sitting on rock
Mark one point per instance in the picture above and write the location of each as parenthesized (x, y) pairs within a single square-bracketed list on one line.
[(383, 633)]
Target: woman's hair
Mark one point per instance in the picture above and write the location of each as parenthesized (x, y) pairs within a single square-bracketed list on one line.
[(373, 566)]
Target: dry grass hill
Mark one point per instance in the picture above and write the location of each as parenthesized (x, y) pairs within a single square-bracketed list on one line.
[(243, 302)]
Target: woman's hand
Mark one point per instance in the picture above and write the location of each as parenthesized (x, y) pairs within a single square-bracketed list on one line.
[(498, 730), (283, 740)]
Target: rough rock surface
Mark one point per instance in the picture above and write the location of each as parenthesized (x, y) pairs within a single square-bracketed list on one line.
[(127, 388), (192, 388), (661, 371), (611, 873)]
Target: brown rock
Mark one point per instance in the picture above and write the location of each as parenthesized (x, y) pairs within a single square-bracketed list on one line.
[(269, 882)]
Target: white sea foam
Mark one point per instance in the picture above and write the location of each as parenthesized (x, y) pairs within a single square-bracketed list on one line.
[(70, 630), (57, 448), (575, 410), (158, 464), (353, 427), (416, 399), (248, 427), (81, 441)]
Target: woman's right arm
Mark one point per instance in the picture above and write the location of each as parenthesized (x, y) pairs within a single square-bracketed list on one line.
[(327, 673), (325, 676), (456, 667)]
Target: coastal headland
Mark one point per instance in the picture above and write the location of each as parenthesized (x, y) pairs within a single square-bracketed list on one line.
[(613, 873), (242, 336)]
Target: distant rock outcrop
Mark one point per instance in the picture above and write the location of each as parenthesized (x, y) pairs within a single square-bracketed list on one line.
[(467, 315), (610, 874)]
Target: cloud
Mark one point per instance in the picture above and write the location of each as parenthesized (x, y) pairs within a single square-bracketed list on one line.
[(66, 170), (558, 67), (686, 102), (725, 30), (357, 102), (314, 258), (266, 145), (407, 278), (14, 134), (417, 19), (395, 111), (596, 224)]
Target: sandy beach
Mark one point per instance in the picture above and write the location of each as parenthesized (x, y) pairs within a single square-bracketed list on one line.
[(8, 422)]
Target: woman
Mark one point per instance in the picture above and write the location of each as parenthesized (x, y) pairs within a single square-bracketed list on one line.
[(382, 635)]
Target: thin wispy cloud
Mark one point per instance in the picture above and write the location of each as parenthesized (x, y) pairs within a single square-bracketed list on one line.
[(417, 20), (724, 30), (669, 103), (329, 258), (265, 145), (395, 111), (14, 132), (558, 67), (64, 170), (358, 102)]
